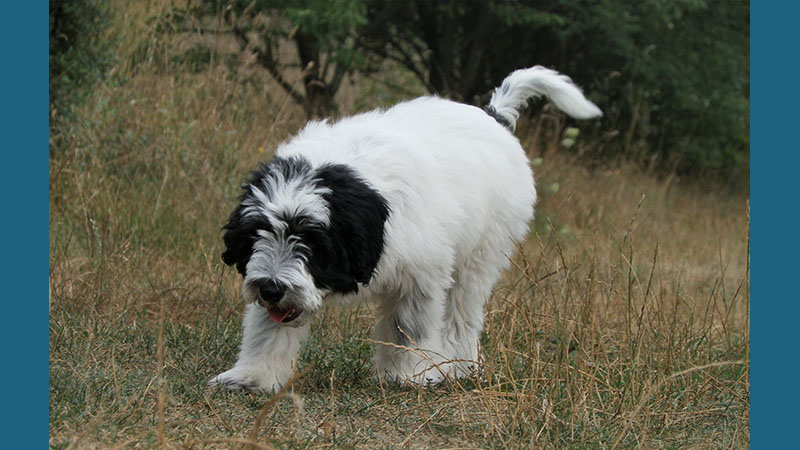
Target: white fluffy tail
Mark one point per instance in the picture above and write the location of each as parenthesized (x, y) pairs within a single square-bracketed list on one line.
[(534, 82)]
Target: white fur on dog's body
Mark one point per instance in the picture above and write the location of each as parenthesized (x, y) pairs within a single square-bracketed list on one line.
[(460, 193)]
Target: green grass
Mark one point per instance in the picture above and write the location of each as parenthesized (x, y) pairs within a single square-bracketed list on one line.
[(623, 321)]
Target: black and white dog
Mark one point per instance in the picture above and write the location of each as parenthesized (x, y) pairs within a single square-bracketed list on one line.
[(417, 208)]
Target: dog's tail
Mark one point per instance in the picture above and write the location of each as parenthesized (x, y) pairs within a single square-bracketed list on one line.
[(534, 82)]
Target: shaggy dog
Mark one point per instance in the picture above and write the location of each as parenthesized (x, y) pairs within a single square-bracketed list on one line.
[(417, 208)]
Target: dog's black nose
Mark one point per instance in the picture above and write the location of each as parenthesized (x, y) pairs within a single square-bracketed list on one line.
[(271, 291)]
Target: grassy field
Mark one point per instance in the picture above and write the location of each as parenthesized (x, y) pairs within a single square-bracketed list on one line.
[(623, 322)]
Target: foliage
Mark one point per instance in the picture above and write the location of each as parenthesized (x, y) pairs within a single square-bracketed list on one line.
[(672, 76), (321, 32), (80, 50), (458, 49)]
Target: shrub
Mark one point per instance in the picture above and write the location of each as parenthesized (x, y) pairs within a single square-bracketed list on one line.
[(80, 51)]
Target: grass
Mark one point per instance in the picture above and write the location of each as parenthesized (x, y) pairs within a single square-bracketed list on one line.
[(623, 321)]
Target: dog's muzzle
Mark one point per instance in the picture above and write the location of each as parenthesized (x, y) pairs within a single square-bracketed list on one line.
[(270, 294)]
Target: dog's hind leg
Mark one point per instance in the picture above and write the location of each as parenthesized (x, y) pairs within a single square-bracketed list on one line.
[(473, 281), (266, 354)]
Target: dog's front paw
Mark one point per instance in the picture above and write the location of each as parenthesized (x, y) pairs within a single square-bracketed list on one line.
[(238, 379)]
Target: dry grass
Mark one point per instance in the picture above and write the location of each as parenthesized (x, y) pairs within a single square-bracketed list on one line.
[(623, 322)]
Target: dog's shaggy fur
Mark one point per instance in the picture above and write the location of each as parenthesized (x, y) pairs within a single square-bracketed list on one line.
[(417, 208)]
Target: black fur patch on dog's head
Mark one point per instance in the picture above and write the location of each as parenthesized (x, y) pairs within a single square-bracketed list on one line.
[(349, 249), (240, 235)]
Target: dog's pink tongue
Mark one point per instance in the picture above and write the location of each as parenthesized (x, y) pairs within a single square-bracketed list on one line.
[(278, 315)]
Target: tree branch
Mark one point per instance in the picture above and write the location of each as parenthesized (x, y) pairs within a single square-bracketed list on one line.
[(266, 60), (474, 51), (338, 75), (407, 60)]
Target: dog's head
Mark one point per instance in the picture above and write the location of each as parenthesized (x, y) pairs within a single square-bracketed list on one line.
[(300, 233)]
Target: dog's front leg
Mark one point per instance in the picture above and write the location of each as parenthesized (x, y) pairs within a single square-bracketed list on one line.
[(408, 334), (266, 354)]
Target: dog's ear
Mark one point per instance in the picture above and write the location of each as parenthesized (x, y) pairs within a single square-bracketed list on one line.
[(353, 242), (241, 230), (240, 233)]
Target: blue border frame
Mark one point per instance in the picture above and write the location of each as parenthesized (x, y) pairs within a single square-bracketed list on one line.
[(774, 198), (24, 36)]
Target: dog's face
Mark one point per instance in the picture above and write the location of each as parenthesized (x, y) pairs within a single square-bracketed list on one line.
[(300, 233)]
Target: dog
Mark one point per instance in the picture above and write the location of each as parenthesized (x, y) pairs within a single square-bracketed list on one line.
[(417, 208)]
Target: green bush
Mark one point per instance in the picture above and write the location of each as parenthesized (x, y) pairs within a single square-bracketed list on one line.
[(671, 76), (81, 51)]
